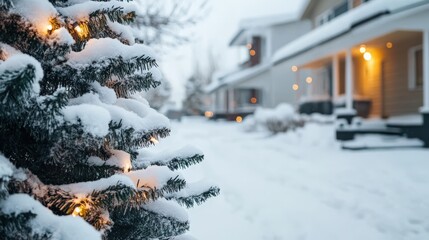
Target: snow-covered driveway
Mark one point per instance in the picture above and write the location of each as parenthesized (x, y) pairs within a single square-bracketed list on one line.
[(302, 186)]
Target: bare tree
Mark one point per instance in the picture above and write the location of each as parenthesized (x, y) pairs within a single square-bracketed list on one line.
[(195, 98), (164, 21)]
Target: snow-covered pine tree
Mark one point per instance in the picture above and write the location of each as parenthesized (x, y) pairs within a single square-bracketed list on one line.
[(73, 140)]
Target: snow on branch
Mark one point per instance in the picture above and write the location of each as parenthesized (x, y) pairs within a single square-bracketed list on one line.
[(37, 12), (83, 11), (168, 209), (86, 188), (195, 194), (153, 177), (97, 50), (43, 222), (19, 80), (174, 160)]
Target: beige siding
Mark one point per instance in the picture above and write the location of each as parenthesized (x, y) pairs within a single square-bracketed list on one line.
[(385, 79)]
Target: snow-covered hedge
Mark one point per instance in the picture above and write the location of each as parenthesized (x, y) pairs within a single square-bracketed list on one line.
[(280, 119)]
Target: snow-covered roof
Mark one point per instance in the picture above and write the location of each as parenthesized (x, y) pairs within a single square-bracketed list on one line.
[(343, 24), (268, 20), (260, 23), (237, 77)]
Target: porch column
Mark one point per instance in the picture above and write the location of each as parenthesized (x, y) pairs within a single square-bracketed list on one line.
[(349, 80), (335, 77), (231, 107), (425, 108)]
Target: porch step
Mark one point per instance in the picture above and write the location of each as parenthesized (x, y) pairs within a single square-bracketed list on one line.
[(379, 142), (348, 134)]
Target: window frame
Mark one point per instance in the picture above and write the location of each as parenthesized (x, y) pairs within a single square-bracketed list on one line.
[(412, 74)]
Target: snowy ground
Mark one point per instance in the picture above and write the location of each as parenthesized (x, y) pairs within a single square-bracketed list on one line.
[(302, 186)]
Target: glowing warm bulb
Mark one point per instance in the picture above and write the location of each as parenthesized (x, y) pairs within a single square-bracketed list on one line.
[(239, 119), (252, 52), (78, 29), (362, 49), (389, 45), (77, 211), (253, 100), (367, 56), (295, 87), (49, 27), (309, 80), (294, 68), (208, 114), (154, 140)]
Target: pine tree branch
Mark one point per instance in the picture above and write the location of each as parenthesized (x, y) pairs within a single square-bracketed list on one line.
[(129, 140), (134, 83), (21, 35), (15, 87), (144, 224), (197, 199), (77, 78), (6, 4), (18, 226)]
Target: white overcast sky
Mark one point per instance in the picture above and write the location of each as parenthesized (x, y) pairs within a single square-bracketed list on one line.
[(215, 32)]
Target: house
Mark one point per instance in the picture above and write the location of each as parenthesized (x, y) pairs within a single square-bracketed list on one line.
[(239, 92), (365, 57)]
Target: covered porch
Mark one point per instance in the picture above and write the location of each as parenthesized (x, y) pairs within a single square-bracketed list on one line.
[(377, 69)]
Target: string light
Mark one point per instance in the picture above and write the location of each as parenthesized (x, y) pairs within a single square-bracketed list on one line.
[(249, 46), (309, 80), (81, 29), (389, 45), (295, 87), (77, 211), (252, 53), (49, 27), (154, 140), (239, 119), (294, 68), (78, 29), (208, 114), (253, 100)]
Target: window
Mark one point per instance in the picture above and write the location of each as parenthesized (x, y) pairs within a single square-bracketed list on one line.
[(247, 97), (324, 17), (415, 67)]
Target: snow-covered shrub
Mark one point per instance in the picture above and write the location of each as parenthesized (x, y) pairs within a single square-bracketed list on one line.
[(249, 124), (280, 119)]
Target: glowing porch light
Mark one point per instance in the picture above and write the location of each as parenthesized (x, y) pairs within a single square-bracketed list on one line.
[(154, 140), (362, 49), (389, 45), (252, 53), (295, 87), (253, 100), (367, 56), (294, 68), (208, 114), (309, 80), (239, 119)]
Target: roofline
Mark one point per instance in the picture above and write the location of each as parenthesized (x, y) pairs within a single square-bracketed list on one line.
[(353, 26), (236, 36), (306, 8)]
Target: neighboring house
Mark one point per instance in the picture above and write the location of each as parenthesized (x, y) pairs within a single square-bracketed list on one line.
[(367, 58), (251, 85)]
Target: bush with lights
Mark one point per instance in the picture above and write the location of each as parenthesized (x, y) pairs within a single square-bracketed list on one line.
[(75, 161)]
